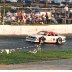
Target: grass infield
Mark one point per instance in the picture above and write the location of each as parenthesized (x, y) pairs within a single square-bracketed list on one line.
[(18, 57)]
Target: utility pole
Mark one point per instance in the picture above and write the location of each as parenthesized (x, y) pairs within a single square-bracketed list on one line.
[(46, 4), (4, 11), (37, 1), (4, 7)]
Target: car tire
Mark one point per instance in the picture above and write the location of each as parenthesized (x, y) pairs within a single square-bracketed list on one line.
[(41, 40), (59, 41)]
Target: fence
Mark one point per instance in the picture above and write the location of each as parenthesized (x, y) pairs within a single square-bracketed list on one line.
[(60, 15)]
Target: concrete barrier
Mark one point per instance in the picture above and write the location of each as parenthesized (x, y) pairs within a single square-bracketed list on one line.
[(25, 30)]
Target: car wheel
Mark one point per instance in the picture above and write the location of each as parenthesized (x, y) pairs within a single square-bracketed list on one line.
[(41, 40), (59, 40)]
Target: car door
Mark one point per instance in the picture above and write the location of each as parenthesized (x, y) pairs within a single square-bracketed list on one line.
[(50, 38)]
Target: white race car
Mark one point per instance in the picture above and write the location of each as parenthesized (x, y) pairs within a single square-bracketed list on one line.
[(47, 37)]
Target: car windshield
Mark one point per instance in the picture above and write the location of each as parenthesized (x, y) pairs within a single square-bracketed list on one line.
[(41, 33)]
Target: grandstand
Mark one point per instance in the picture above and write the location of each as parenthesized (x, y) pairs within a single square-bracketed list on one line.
[(42, 6)]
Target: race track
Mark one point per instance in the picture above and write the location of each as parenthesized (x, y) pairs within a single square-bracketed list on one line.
[(20, 43)]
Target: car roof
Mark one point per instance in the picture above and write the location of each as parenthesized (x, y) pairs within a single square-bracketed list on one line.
[(52, 32), (49, 32)]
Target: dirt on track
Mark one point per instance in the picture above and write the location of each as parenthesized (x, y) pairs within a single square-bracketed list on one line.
[(65, 64), (34, 67)]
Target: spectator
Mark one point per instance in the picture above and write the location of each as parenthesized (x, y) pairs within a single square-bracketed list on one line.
[(54, 20), (24, 20), (66, 8), (27, 19), (19, 16), (66, 11), (43, 19), (47, 17), (9, 14), (59, 19), (23, 17), (51, 18), (70, 13), (13, 19), (0, 17), (33, 18)]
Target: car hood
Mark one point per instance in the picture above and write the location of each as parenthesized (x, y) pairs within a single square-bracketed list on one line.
[(36, 35)]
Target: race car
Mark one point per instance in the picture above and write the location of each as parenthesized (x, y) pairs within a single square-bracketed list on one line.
[(46, 37)]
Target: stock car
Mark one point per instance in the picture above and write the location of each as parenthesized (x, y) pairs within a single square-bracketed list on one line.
[(46, 37)]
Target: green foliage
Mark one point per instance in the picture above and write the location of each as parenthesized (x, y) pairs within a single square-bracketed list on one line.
[(24, 57)]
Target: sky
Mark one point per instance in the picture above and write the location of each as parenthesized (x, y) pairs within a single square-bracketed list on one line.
[(12, 0)]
